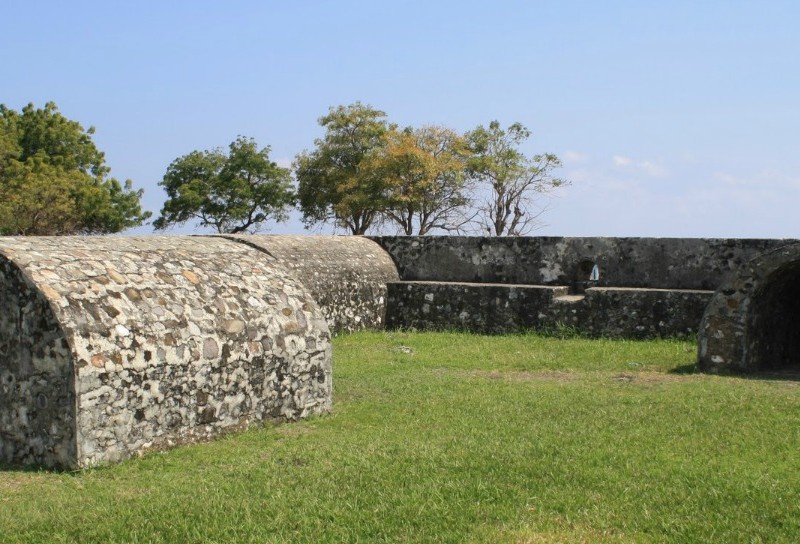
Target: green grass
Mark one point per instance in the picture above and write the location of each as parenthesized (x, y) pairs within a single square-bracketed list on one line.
[(451, 437)]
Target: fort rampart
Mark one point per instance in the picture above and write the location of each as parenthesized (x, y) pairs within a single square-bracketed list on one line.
[(114, 345)]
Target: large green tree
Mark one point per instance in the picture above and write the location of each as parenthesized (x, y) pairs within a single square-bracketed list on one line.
[(234, 192), (424, 173), (514, 183), (335, 181), (54, 180)]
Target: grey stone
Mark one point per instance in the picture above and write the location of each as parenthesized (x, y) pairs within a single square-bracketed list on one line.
[(101, 358)]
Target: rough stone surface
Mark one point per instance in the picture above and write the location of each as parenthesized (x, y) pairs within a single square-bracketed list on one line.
[(654, 263), (113, 345), (346, 275), (503, 308), (753, 321), (617, 287), (488, 308)]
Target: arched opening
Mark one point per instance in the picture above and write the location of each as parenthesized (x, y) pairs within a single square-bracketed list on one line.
[(586, 275), (773, 324)]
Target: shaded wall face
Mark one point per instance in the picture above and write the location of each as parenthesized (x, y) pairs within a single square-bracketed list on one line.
[(37, 404), (773, 325), (664, 263)]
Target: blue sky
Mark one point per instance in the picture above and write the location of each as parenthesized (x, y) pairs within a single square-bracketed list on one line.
[(672, 118)]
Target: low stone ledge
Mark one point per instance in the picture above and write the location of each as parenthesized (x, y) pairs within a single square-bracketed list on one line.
[(501, 308), (624, 312)]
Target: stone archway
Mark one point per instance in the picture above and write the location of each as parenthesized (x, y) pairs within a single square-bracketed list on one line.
[(753, 322)]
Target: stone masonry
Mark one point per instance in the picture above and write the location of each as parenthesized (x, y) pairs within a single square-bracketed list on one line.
[(614, 287), (753, 322), (346, 275), (114, 345), (110, 346)]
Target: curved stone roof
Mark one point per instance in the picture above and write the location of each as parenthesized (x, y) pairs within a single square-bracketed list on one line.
[(346, 275), (166, 339), (752, 321)]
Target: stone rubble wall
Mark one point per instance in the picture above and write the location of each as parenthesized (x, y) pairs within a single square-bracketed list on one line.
[(346, 275), (503, 308), (490, 308), (651, 263), (154, 340), (752, 323), (647, 287), (110, 346), (37, 397), (621, 312)]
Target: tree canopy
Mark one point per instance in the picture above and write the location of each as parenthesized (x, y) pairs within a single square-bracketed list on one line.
[(514, 181), (365, 173), (234, 192), (336, 182), (54, 180), (423, 170)]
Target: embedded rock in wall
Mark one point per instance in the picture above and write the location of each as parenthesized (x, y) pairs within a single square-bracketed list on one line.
[(346, 275), (114, 345), (752, 324)]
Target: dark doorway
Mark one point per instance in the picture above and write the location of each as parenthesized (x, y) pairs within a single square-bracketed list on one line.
[(773, 324)]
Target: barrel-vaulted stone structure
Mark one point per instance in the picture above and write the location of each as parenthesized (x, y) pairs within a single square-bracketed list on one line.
[(346, 275), (110, 346), (113, 345), (752, 323)]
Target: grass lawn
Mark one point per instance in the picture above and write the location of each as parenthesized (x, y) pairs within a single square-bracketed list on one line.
[(448, 437)]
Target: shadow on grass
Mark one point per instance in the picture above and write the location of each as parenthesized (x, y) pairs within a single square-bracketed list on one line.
[(42, 469), (689, 368), (790, 374)]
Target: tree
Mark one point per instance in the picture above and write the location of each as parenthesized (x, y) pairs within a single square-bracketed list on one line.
[(233, 193), (515, 182), (424, 172), (334, 182), (54, 180)]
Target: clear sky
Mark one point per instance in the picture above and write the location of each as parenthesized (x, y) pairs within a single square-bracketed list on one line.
[(674, 118)]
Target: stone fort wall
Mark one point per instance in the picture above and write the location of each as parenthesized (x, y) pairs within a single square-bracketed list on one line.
[(114, 345), (616, 287)]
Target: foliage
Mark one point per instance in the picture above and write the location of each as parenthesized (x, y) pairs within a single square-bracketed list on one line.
[(54, 180), (424, 173), (334, 182), (233, 193), (513, 179)]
